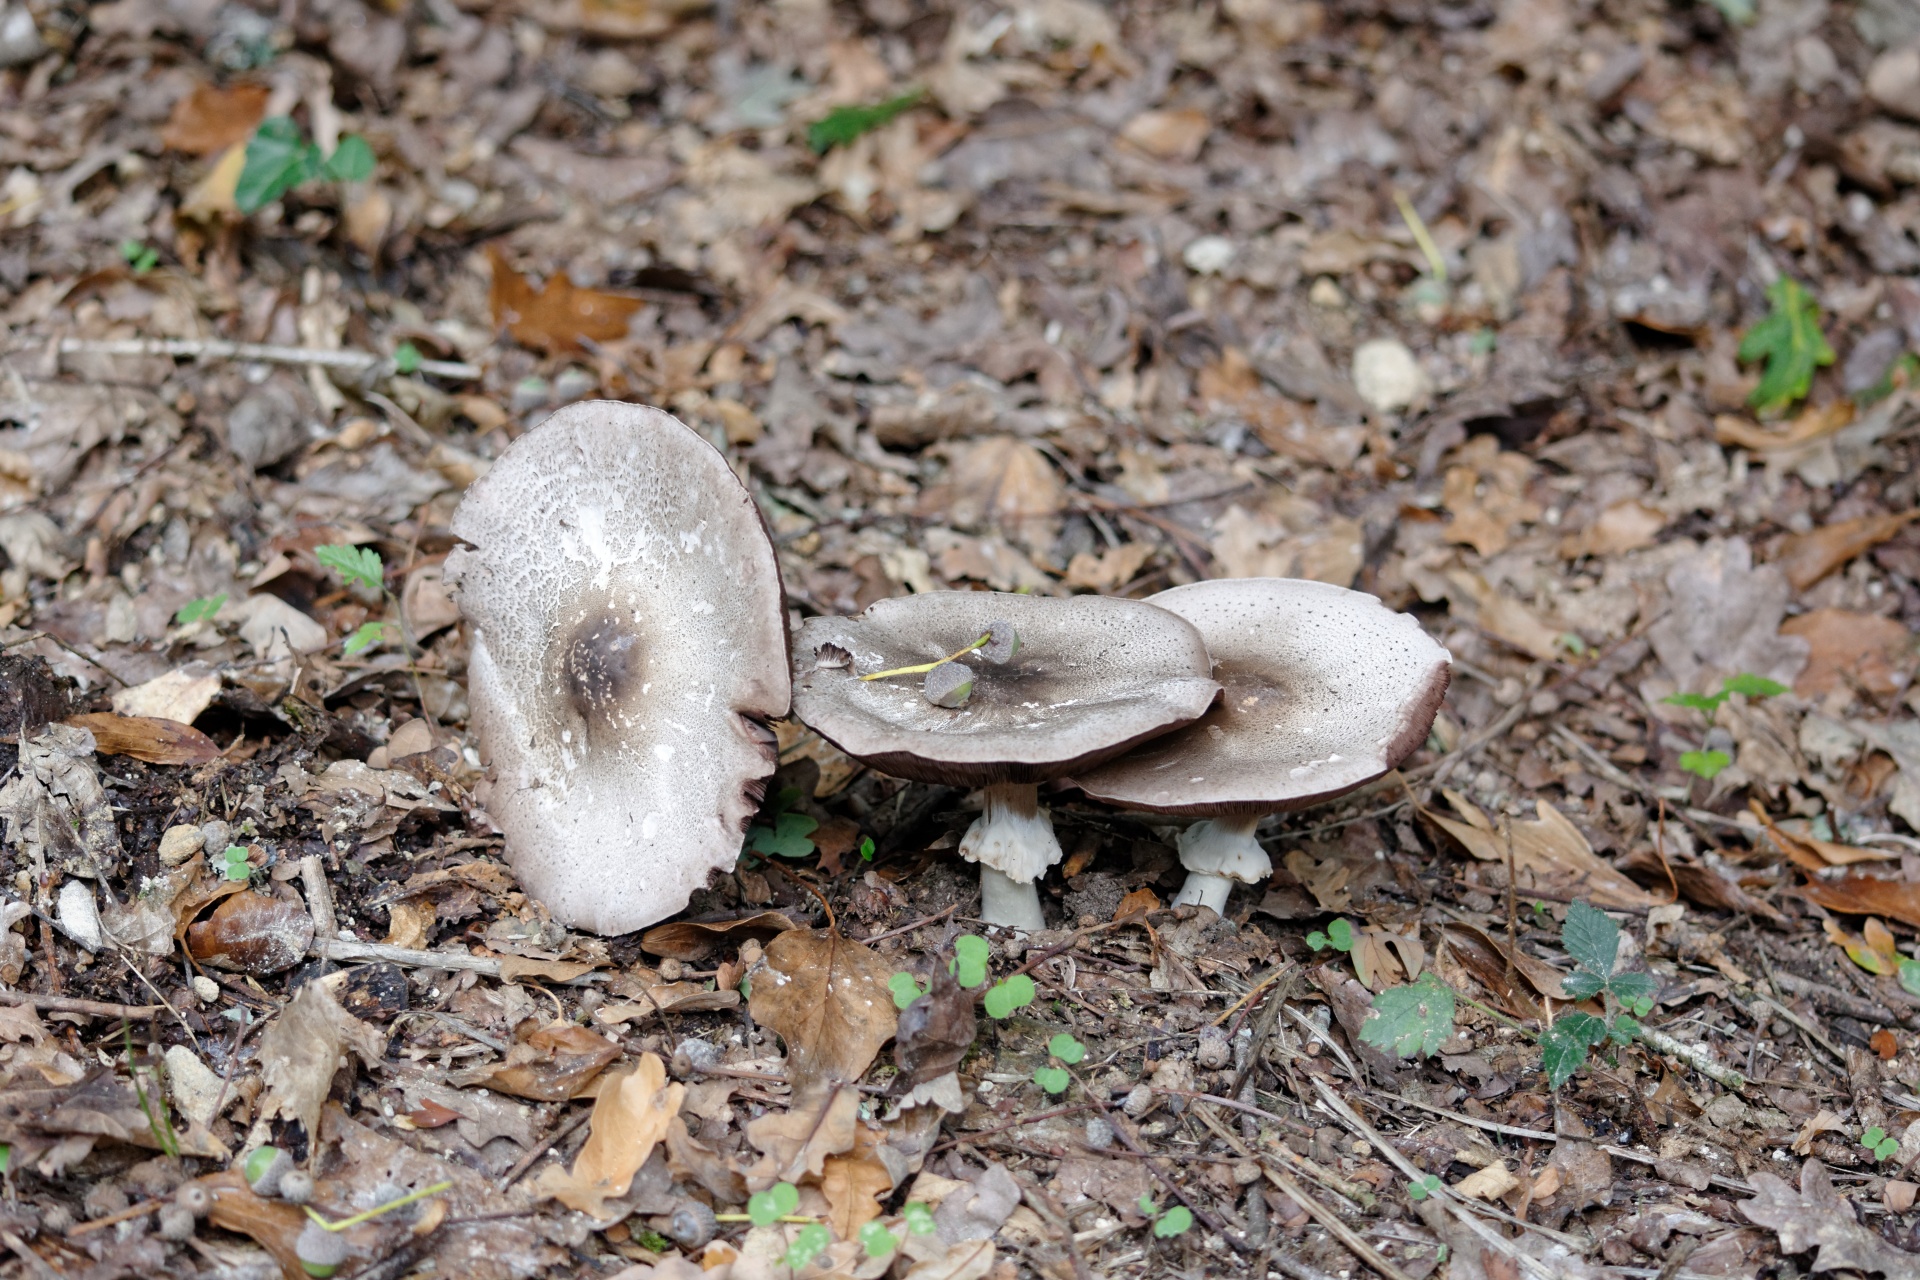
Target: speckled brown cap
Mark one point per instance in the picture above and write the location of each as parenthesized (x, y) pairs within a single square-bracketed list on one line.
[(1093, 676), (1324, 690)]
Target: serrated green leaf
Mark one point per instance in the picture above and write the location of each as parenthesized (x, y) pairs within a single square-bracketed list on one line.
[(1173, 1222), (1563, 1048), (1052, 1079), (1623, 1029), (278, 158), (364, 637), (1340, 934), (351, 161), (357, 566), (1705, 764), (1410, 1020), (1749, 685), (1591, 938), (1066, 1048), (876, 1240), (1581, 985), (1791, 343), (1008, 995), (1633, 988), (843, 125)]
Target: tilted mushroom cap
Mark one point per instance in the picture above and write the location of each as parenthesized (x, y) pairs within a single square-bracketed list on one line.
[(628, 638), (1324, 689), (1093, 675)]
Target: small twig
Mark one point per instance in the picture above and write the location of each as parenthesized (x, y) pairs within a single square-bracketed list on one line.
[(127, 1214), (1326, 1217), (346, 950), (264, 353), (924, 667), (35, 1263), (1206, 1216), (90, 1008), (313, 875), (560, 1134), (1042, 1204), (921, 923)]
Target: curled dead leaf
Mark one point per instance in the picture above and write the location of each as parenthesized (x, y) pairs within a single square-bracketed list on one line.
[(630, 1117), (252, 932), (551, 1064), (693, 939), (147, 738)]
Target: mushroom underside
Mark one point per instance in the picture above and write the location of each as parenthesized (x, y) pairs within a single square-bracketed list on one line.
[(1014, 844)]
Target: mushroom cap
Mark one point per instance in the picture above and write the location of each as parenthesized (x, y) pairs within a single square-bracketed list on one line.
[(1325, 690), (1093, 676), (629, 638)]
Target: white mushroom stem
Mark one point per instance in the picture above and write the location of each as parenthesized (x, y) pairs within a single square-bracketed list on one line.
[(1216, 852), (1013, 842)]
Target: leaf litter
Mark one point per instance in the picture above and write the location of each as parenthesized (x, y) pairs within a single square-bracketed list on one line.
[(1531, 319)]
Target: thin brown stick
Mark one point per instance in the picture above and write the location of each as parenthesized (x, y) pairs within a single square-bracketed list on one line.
[(91, 1008), (1206, 1216), (1327, 1218), (560, 1134), (127, 1214), (921, 923)]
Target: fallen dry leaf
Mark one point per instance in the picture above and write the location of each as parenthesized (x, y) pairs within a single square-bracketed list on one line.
[(1857, 895), (692, 1161), (1848, 650), (795, 1144), (630, 1116), (1815, 1216), (1000, 482), (252, 932), (1138, 902), (1111, 569), (853, 1184), (1489, 1183), (934, 1032), (826, 997), (1808, 557), (1548, 852), (211, 119), (693, 939), (1813, 423), (147, 738), (518, 968), (1624, 526), (180, 695), (550, 1064), (559, 315), (1169, 135), (1487, 495), (302, 1049)]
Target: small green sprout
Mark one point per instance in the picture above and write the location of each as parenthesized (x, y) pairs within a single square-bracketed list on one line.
[(905, 988), (918, 1217), (1339, 936), (1009, 994), (199, 609), (406, 358), (1705, 764), (236, 867), (789, 836), (866, 848), (1593, 940), (808, 1243), (1791, 343), (652, 1240), (843, 125), (970, 952), (1063, 1048), (139, 256), (1908, 973), (876, 1240), (1883, 1144), (357, 566), (776, 1202), (365, 636), (1066, 1048), (1421, 1188), (279, 158), (1169, 1224)]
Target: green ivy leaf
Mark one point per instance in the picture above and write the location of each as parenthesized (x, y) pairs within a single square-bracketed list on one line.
[(1421, 1188), (1564, 1046), (1705, 764), (1410, 1020), (1173, 1222), (1749, 685), (1008, 995), (278, 159), (877, 1240), (970, 952), (843, 125), (199, 610), (1066, 1048), (809, 1243), (787, 837), (1791, 343), (906, 989), (918, 1217), (357, 566), (1591, 938), (364, 637), (351, 161), (1052, 1079)]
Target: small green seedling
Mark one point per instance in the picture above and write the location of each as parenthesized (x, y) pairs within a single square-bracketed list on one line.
[(1169, 1224), (970, 952), (647, 1238), (866, 848), (906, 989), (200, 609), (776, 1202), (365, 636), (406, 358), (876, 1240), (1908, 973), (357, 566), (1705, 763), (1883, 1144), (1339, 936), (279, 158), (808, 1243), (1791, 343), (1421, 1188), (1410, 1020), (790, 835), (1008, 995), (1593, 940), (843, 125), (918, 1217), (234, 863), (139, 256), (1063, 1048)]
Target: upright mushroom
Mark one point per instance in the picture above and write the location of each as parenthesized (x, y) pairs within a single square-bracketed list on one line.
[(1325, 690), (1089, 677), (628, 643)]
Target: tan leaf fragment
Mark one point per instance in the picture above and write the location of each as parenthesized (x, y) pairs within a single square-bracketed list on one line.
[(629, 1117), (302, 1049), (826, 997), (797, 1143), (1549, 852), (1624, 526), (1489, 1183), (1815, 1216), (853, 1184)]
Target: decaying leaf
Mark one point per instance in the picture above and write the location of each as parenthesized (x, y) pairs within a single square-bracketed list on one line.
[(935, 1031), (62, 1122), (302, 1049), (211, 119), (1808, 557), (692, 940), (1548, 852), (1848, 650), (827, 999), (147, 738), (795, 1144), (853, 1182), (252, 932), (1815, 1216), (1867, 896), (550, 1064), (630, 1116), (559, 315)]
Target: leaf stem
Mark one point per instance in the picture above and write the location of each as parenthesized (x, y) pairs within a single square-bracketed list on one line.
[(925, 667), (377, 1210), (747, 1217)]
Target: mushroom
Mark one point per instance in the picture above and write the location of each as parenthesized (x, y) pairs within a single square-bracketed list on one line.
[(1088, 677), (629, 642), (1325, 689)]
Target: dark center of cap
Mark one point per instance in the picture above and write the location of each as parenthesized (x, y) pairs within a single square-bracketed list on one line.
[(602, 667)]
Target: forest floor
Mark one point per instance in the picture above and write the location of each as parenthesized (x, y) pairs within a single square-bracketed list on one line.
[(1583, 330)]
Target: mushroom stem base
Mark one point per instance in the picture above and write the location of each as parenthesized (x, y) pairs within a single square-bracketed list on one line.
[(1216, 852), (1014, 844), (1008, 902)]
